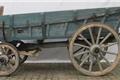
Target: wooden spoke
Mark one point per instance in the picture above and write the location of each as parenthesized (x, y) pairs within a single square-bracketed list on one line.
[(99, 64), (98, 36), (90, 67), (80, 53), (3, 51), (106, 37), (12, 61), (10, 67), (84, 46), (11, 55), (6, 50), (85, 39), (105, 59), (91, 35), (91, 63), (83, 61), (108, 45), (112, 53), (77, 50)]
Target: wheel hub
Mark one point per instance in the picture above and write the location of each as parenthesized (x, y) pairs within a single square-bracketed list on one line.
[(3, 59), (95, 49)]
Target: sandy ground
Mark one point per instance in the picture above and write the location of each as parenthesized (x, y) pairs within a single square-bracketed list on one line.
[(58, 55), (51, 55)]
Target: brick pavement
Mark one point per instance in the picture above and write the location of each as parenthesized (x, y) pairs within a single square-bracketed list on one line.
[(56, 72)]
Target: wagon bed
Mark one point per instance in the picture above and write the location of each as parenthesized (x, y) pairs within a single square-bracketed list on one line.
[(52, 25)]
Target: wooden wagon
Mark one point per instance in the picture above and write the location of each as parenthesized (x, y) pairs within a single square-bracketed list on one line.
[(89, 34)]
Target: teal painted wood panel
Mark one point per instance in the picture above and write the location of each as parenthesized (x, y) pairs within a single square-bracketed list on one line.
[(7, 25), (73, 27), (23, 20), (28, 33), (6, 19), (30, 24), (36, 32), (56, 30), (59, 16), (21, 35), (84, 14)]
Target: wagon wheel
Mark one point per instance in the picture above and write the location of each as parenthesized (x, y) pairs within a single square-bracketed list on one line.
[(9, 59), (82, 56), (23, 58), (81, 49), (95, 48)]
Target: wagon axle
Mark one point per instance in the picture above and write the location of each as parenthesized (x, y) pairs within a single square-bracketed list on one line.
[(4, 59), (95, 49)]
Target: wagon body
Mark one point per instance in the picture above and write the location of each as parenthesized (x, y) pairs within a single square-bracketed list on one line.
[(53, 25)]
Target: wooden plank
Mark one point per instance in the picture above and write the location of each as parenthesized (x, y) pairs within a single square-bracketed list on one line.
[(1, 10)]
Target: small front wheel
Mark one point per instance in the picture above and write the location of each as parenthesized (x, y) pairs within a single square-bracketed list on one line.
[(9, 59)]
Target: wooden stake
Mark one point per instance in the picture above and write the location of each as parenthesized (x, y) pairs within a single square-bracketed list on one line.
[(1, 10)]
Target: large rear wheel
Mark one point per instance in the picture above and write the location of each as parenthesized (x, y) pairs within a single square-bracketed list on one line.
[(98, 39)]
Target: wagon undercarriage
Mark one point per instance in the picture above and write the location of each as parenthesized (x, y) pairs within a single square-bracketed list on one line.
[(89, 35)]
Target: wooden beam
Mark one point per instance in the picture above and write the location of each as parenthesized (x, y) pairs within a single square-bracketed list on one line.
[(1, 10)]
